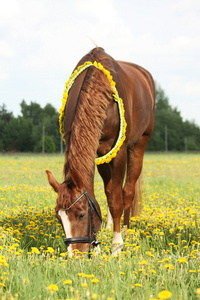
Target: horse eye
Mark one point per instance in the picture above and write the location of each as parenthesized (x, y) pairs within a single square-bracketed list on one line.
[(82, 216)]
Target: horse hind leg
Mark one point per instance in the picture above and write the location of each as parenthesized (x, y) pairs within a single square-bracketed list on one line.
[(136, 206), (132, 189)]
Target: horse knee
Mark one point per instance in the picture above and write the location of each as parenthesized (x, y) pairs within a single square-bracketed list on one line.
[(116, 210), (128, 196)]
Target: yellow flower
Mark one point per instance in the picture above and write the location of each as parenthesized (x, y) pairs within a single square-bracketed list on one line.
[(169, 267), (52, 288), (165, 295), (182, 260), (138, 284), (198, 291), (50, 250), (2, 284), (35, 250), (95, 63), (94, 296), (84, 285), (95, 280), (68, 281)]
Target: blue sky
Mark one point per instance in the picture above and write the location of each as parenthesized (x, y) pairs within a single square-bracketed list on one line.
[(42, 40)]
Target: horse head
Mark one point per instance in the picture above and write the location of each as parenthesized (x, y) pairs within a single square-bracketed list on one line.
[(78, 214)]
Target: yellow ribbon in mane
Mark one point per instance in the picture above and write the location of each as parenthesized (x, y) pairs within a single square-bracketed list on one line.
[(122, 131)]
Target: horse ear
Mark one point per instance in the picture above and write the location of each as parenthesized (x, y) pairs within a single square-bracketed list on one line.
[(55, 185), (76, 179)]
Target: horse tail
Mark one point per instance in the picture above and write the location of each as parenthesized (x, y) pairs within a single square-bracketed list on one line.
[(137, 201)]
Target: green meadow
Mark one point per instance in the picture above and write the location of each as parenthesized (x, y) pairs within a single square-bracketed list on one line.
[(161, 254)]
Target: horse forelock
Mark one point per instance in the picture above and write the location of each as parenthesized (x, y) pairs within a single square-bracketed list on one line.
[(86, 129)]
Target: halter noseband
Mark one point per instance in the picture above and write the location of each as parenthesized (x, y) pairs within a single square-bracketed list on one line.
[(91, 208)]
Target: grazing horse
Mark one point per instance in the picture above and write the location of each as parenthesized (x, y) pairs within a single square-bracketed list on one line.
[(108, 113)]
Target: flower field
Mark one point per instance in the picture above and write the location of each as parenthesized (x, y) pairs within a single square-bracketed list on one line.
[(161, 254)]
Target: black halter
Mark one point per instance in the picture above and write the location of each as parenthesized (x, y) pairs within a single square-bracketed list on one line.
[(89, 239)]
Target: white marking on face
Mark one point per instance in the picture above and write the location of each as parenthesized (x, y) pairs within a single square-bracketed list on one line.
[(66, 226)]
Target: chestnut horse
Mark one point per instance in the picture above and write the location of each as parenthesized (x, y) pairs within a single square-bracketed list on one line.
[(92, 123)]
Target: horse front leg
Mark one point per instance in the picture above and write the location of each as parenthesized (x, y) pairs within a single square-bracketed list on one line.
[(116, 210), (105, 172), (116, 199)]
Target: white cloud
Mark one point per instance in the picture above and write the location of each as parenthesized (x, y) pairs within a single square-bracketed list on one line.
[(5, 49), (42, 41), (179, 85), (4, 75), (8, 11)]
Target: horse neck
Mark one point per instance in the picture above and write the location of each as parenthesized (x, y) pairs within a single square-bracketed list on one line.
[(86, 129)]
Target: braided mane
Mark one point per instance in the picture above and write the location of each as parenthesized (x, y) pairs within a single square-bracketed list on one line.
[(86, 129)]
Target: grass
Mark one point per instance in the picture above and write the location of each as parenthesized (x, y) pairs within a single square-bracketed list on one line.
[(161, 255)]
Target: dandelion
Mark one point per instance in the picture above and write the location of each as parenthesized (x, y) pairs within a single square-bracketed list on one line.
[(84, 285), (164, 295), (169, 267), (52, 288), (35, 250), (192, 271), (182, 260), (94, 296), (95, 280), (138, 284), (68, 281)]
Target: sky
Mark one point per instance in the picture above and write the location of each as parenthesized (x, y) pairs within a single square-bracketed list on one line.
[(41, 41)]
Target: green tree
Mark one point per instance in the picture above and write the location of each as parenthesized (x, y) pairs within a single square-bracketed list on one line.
[(32, 111), (178, 131), (5, 119), (47, 117), (5, 116), (49, 145)]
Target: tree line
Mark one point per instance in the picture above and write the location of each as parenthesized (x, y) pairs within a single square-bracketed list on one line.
[(170, 128), (25, 133), (37, 129)]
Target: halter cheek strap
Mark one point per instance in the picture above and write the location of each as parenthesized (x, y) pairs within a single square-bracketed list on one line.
[(81, 196)]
